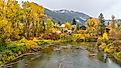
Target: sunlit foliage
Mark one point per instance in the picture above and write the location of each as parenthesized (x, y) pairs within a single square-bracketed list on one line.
[(67, 25), (26, 20), (92, 26)]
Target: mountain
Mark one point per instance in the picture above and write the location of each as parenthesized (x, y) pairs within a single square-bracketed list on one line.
[(66, 15)]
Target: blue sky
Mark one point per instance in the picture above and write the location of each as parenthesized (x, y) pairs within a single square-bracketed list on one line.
[(90, 7)]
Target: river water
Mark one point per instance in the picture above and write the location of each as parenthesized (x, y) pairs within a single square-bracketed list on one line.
[(67, 58)]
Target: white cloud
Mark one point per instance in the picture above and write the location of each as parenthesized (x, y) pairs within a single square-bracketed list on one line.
[(114, 10)]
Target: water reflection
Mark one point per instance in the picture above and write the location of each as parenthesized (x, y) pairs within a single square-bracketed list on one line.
[(102, 56), (21, 64), (68, 58)]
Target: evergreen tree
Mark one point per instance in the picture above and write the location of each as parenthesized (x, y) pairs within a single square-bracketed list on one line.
[(59, 23), (74, 22), (101, 25)]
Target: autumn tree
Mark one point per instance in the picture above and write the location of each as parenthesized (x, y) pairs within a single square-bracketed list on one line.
[(49, 25), (114, 28), (92, 26), (17, 21), (33, 16), (113, 22), (68, 25), (14, 18)]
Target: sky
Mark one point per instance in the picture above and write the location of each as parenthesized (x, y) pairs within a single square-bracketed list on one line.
[(91, 7)]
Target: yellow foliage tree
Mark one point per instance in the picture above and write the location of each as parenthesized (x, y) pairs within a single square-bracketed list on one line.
[(17, 21), (49, 25), (105, 37), (92, 25), (67, 25)]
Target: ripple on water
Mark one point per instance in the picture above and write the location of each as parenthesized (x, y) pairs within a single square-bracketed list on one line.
[(69, 58)]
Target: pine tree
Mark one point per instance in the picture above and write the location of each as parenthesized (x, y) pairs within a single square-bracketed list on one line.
[(74, 22), (101, 25), (59, 23)]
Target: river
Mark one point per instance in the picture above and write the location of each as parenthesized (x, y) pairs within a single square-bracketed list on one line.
[(66, 57)]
